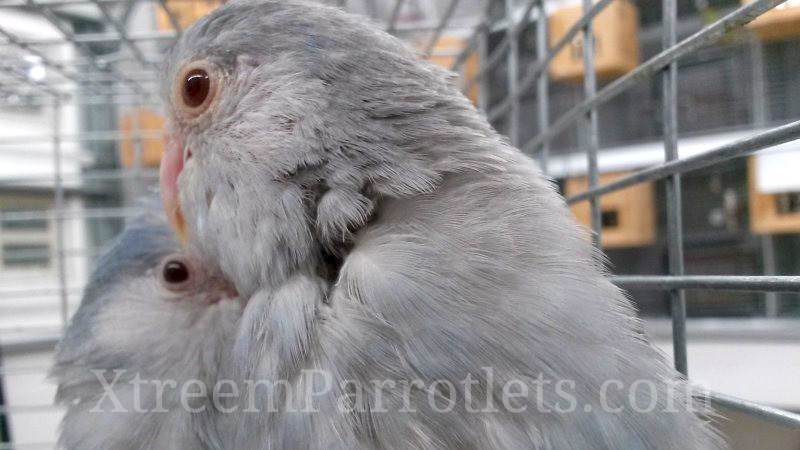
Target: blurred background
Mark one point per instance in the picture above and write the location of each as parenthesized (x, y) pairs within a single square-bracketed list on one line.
[(81, 139)]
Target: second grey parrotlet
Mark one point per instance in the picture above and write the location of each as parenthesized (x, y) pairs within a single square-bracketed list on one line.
[(385, 235), (147, 348)]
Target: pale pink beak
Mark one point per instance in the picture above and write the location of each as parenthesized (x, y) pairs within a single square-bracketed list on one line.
[(171, 166)]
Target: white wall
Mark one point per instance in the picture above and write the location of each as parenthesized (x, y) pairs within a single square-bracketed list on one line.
[(764, 371), (32, 155), (30, 306), (29, 397), (27, 152)]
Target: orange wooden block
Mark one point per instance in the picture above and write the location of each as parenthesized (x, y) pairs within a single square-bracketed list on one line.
[(766, 214), (616, 41), (151, 126), (185, 11), (629, 215), (779, 23)]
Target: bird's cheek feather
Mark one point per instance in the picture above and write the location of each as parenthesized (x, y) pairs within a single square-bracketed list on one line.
[(171, 166)]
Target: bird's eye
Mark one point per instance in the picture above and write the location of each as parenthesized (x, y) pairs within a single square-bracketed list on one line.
[(175, 273), (196, 88)]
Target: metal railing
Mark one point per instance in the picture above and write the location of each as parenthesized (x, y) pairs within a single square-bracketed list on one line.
[(584, 113)]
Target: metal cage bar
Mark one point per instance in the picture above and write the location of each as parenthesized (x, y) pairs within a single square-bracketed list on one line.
[(473, 43), (437, 32), (742, 147), (673, 189), (102, 38), (19, 43), (542, 82), (495, 57), (766, 413), (512, 69), (398, 6), (665, 62), (123, 34), (173, 20), (538, 66), (58, 205), (758, 283), (589, 126), (70, 37), (710, 33)]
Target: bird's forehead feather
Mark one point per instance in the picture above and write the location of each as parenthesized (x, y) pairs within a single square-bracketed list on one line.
[(137, 250), (264, 28), (145, 241)]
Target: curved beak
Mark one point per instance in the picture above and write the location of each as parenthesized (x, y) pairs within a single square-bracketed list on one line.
[(171, 166)]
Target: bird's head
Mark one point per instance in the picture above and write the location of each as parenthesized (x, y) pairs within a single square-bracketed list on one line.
[(288, 122), (153, 319), (150, 308)]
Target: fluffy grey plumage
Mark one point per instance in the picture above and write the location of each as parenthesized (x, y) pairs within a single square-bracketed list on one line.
[(130, 325), (382, 230)]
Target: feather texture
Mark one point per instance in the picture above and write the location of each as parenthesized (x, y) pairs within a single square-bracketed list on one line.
[(132, 346), (454, 258)]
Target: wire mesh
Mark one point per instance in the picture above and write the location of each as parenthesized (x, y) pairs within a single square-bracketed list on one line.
[(667, 63), (106, 61)]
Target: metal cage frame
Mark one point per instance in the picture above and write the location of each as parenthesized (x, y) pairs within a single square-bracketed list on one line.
[(664, 64), (106, 83)]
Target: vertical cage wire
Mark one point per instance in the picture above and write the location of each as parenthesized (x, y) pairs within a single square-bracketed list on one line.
[(542, 82), (58, 206), (589, 126), (670, 171), (440, 27), (673, 188), (512, 70), (483, 56), (138, 151)]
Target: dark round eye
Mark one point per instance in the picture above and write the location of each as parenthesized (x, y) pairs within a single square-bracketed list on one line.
[(176, 274), (196, 87)]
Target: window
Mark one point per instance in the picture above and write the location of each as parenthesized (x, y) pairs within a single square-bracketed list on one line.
[(26, 243), (610, 218), (26, 255), (789, 203)]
